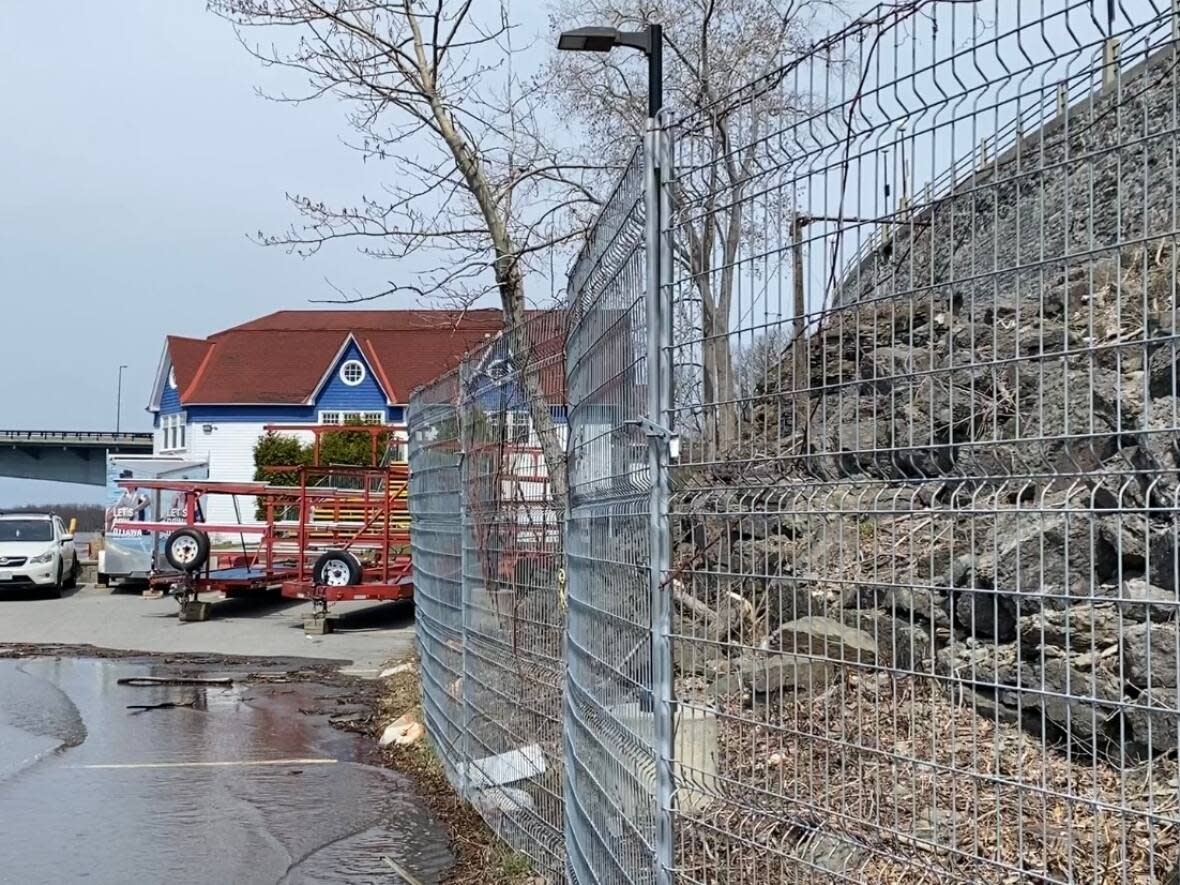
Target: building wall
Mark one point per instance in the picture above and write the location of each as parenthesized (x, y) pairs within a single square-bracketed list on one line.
[(338, 396), (229, 450), (225, 435)]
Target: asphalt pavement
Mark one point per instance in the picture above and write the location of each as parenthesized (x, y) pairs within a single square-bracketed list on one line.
[(366, 635)]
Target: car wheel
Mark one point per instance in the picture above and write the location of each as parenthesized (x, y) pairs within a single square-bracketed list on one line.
[(337, 568), (55, 589), (187, 549), (72, 580)]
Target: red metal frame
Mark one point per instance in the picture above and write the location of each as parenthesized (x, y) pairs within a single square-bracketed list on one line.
[(359, 509)]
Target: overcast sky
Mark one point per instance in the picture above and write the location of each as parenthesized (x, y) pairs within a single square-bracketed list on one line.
[(135, 157)]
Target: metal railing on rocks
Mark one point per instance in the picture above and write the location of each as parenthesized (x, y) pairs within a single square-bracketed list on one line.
[(872, 535)]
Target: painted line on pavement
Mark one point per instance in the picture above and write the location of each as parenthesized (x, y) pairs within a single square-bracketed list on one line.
[(245, 763)]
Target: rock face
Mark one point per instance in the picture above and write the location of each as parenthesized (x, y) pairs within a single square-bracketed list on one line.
[(978, 479)]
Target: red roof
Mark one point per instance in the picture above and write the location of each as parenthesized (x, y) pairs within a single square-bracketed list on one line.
[(281, 358)]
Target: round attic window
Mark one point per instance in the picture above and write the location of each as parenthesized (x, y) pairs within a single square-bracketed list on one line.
[(352, 373), (172, 378)]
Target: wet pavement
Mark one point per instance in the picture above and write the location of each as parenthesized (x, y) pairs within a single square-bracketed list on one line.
[(248, 785)]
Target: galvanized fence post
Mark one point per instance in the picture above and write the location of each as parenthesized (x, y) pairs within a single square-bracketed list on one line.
[(464, 767), (659, 437)]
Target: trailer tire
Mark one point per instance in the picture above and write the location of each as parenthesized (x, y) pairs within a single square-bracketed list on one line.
[(337, 568), (187, 549)]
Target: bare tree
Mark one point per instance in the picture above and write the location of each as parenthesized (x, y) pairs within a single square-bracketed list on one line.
[(726, 87), (431, 90)]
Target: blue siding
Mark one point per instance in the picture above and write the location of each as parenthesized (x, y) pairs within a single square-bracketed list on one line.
[(278, 414), (170, 399), (366, 396)]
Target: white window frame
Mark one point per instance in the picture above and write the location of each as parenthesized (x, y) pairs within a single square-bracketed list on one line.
[(364, 416), (349, 364), (173, 432)]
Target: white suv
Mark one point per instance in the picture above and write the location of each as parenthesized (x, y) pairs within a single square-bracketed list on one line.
[(36, 551)]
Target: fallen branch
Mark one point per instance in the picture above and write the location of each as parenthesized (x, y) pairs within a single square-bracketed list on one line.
[(167, 705), (175, 680), (401, 871)]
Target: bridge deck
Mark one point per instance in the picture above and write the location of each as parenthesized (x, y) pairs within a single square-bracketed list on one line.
[(74, 438)]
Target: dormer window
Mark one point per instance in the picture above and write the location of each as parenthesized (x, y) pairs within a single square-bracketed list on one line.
[(352, 372)]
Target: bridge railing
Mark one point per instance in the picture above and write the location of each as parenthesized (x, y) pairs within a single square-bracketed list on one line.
[(74, 436)]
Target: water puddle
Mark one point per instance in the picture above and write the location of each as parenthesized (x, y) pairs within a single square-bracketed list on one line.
[(230, 785)]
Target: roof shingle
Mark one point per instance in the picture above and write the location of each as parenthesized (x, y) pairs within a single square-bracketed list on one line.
[(280, 358)]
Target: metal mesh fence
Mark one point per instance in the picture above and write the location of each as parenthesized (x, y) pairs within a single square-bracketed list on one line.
[(873, 563), (487, 528), (925, 572)]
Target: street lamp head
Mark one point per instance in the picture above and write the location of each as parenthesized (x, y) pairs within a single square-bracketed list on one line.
[(600, 39), (593, 39)]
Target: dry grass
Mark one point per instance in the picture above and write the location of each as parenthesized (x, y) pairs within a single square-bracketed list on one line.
[(886, 780)]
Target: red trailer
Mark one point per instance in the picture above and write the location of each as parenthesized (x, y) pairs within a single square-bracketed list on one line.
[(335, 533)]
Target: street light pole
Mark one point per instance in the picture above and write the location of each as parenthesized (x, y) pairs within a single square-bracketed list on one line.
[(119, 401)]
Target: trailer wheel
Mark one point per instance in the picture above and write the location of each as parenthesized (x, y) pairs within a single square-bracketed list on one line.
[(187, 549), (337, 568)]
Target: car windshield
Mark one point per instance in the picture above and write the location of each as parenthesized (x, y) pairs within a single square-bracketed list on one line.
[(26, 530)]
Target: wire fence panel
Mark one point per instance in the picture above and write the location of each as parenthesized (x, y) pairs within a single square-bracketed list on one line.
[(924, 480), (436, 538), (513, 586), (925, 564), (612, 813)]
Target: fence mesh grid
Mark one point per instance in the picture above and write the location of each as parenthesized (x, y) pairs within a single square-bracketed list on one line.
[(487, 528), (925, 573)]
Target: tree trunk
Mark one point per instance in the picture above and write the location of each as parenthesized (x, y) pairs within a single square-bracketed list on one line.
[(511, 286)]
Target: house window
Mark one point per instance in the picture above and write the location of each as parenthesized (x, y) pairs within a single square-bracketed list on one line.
[(519, 426), (352, 373), (334, 417), (173, 432)]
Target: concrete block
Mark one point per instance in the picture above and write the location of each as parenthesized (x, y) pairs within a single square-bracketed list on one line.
[(317, 626), (196, 611)]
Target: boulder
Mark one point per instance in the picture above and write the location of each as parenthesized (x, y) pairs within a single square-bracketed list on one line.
[(1142, 601), (1045, 693), (1151, 725), (825, 638), (1039, 558), (916, 603), (986, 614), (906, 645), (769, 674), (1149, 655), (1079, 628)]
